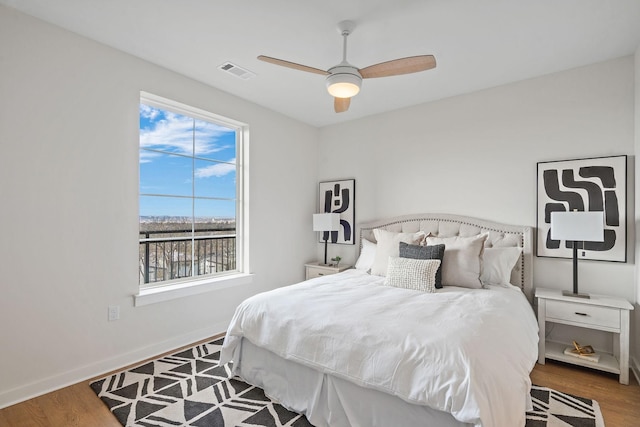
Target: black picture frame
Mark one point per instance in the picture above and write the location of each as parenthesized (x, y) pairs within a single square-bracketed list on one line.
[(591, 184), (339, 196)]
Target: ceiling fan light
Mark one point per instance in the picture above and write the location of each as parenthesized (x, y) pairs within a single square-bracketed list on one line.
[(343, 85)]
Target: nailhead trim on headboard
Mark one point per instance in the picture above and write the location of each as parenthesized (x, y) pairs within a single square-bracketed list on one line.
[(522, 234)]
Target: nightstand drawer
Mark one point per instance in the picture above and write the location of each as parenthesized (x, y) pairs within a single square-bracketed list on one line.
[(313, 272), (313, 269), (583, 313)]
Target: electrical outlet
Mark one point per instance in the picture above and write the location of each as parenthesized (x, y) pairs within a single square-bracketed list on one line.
[(114, 312)]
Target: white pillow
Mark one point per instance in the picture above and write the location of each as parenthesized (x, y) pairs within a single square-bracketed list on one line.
[(388, 244), (367, 255), (461, 263), (497, 264), (410, 273)]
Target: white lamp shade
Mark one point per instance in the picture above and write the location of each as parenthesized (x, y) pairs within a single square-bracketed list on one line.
[(343, 89), (343, 82), (577, 226), (326, 222)]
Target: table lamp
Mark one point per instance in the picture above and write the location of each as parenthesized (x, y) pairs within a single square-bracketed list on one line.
[(577, 227), (326, 222)]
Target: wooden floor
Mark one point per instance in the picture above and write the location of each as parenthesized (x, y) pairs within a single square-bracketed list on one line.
[(77, 405)]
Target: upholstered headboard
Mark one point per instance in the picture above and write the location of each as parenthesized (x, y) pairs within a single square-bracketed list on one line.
[(447, 225)]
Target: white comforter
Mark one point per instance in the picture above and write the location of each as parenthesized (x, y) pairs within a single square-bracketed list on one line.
[(466, 352)]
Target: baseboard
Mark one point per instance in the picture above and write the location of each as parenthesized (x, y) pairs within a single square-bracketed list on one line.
[(635, 368), (93, 370)]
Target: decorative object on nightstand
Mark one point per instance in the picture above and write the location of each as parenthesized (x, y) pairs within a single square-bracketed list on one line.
[(599, 312), (585, 352), (577, 227), (336, 260), (326, 222), (314, 269)]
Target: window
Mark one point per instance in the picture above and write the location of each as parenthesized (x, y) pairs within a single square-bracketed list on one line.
[(190, 193)]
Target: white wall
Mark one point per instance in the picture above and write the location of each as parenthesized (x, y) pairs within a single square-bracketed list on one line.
[(68, 191), (476, 155)]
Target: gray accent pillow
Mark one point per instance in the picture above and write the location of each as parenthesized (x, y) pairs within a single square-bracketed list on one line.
[(424, 252)]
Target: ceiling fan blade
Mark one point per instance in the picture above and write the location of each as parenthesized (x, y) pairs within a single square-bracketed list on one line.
[(293, 65), (341, 104), (396, 67)]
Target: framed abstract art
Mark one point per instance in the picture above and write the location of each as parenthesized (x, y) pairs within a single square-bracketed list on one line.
[(339, 197), (594, 184)]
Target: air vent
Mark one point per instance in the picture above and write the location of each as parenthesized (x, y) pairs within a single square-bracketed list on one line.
[(239, 72)]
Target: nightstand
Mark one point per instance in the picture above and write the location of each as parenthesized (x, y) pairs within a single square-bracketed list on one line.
[(314, 269), (599, 312)]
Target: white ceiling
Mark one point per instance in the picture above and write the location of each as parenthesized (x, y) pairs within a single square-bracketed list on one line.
[(477, 43)]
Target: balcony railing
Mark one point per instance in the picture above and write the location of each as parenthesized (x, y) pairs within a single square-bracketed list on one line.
[(169, 254)]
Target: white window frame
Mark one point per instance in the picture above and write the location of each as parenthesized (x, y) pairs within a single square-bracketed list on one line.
[(182, 287)]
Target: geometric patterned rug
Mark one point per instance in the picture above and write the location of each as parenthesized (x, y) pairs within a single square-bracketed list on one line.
[(190, 388), (552, 408)]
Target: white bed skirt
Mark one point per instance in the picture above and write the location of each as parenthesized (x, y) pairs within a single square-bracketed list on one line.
[(328, 401)]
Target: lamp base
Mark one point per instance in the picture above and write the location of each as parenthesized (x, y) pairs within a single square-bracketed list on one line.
[(571, 294)]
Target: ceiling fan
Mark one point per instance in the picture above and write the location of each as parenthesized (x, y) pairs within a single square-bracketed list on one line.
[(344, 80)]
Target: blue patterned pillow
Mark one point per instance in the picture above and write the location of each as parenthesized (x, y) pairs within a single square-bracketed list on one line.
[(424, 252)]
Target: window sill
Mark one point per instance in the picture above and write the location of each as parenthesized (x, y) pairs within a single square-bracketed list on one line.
[(180, 290)]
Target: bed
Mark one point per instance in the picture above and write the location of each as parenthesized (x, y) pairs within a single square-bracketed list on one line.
[(366, 348)]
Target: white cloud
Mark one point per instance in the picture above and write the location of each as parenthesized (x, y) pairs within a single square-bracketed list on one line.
[(217, 170), (175, 134), (148, 112), (148, 156)]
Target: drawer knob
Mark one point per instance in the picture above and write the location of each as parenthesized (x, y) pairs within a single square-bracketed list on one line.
[(581, 314), (320, 274)]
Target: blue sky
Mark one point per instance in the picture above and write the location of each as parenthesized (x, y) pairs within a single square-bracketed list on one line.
[(212, 178)]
